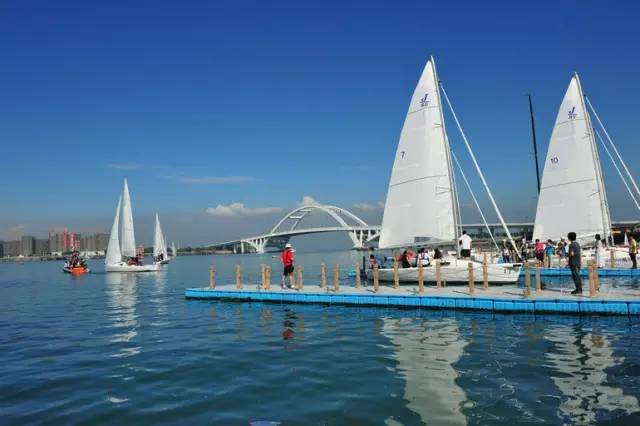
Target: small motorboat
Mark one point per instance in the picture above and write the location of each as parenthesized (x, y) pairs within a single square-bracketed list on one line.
[(76, 270)]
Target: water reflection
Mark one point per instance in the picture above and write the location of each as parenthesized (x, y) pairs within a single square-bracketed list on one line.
[(426, 351), (580, 362), (122, 299)]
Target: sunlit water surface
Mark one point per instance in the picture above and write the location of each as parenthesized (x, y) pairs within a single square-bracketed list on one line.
[(127, 348)]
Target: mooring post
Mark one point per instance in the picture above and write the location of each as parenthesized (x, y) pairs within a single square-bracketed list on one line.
[(375, 278), (263, 278), (336, 277), (267, 273), (358, 278), (420, 278), (238, 277), (485, 272), (597, 279), (323, 275), (212, 277), (396, 275), (612, 256), (592, 280), (300, 271), (538, 281), (527, 280), (472, 287), (438, 272)]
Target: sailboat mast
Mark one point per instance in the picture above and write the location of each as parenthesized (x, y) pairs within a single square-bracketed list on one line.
[(535, 143), (604, 206), (452, 185)]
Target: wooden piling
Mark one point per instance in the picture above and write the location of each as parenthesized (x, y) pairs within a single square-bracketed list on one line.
[(238, 277), (420, 277), (396, 275), (597, 279), (612, 257), (485, 272), (527, 280), (538, 281), (358, 278), (472, 286), (592, 280), (267, 276), (323, 275), (212, 277), (336, 277), (300, 271), (375, 278), (438, 274)]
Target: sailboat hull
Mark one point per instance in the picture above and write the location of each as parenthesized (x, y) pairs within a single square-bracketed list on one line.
[(454, 273), (123, 267)]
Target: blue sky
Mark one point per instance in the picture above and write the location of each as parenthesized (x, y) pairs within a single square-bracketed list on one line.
[(203, 104)]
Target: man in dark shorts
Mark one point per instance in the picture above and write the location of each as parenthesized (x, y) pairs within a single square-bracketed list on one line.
[(287, 262), (574, 262)]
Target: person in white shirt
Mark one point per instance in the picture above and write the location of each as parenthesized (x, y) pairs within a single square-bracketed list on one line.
[(423, 257), (465, 245), (599, 252)]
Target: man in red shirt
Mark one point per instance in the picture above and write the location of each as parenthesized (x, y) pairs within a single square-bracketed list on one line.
[(287, 262)]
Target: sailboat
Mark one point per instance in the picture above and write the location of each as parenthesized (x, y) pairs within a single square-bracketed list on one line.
[(160, 254), (422, 203), (126, 245), (174, 252), (572, 194)]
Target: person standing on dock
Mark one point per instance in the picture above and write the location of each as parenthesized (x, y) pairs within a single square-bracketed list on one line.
[(465, 245), (287, 262), (538, 249), (574, 262), (549, 251), (633, 251)]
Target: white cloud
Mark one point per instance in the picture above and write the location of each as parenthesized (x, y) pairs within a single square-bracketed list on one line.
[(308, 200), (123, 166), (369, 206), (239, 209), (213, 180)]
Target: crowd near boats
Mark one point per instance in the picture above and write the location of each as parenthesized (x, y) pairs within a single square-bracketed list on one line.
[(422, 208)]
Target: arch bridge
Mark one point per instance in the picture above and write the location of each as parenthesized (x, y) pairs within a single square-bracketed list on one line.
[(357, 229)]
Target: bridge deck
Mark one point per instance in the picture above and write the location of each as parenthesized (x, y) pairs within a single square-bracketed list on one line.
[(554, 299)]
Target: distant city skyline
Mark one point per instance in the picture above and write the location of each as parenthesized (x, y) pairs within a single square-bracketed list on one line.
[(224, 116)]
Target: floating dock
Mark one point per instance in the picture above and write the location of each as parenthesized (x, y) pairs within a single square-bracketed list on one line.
[(602, 272), (610, 300)]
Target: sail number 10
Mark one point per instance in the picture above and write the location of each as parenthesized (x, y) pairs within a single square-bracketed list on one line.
[(554, 160)]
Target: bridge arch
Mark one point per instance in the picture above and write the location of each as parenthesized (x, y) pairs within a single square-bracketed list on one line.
[(299, 213)]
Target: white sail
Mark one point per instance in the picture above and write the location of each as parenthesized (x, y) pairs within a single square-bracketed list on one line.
[(419, 206), (165, 251), (572, 196), (174, 252), (128, 247), (113, 249), (158, 240)]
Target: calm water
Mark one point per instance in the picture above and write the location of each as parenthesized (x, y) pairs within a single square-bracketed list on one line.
[(107, 348)]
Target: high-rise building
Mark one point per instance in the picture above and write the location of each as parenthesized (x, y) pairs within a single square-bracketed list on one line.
[(27, 245), (42, 247), (11, 248)]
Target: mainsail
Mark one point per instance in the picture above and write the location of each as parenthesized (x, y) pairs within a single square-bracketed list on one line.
[(113, 249), (128, 246), (572, 195), (420, 202), (158, 240)]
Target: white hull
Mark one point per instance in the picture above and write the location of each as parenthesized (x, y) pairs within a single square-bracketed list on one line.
[(123, 267), (456, 272)]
